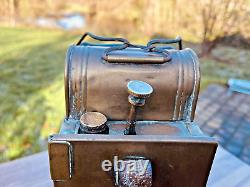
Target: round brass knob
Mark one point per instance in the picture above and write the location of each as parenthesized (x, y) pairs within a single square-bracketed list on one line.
[(139, 89), (93, 123)]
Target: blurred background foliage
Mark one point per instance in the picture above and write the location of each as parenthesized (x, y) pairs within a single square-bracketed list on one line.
[(32, 55)]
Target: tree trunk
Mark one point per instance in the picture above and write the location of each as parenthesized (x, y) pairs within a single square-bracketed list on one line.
[(12, 15), (208, 46)]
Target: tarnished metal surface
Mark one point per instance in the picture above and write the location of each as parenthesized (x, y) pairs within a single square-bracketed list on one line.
[(164, 136), (93, 123), (153, 58), (139, 177), (138, 91), (178, 128), (61, 156), (177, 160), (92, 84)]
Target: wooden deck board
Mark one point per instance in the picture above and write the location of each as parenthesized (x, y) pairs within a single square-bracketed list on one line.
[(228, 171), (33, 171)]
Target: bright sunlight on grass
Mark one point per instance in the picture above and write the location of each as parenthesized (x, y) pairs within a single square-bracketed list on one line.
[(31, 89)]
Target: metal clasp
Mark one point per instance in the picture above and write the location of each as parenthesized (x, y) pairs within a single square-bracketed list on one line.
[(58, 159)]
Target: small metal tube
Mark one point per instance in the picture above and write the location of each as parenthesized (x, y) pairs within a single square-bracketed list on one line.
[(138, 91), (130, 130)]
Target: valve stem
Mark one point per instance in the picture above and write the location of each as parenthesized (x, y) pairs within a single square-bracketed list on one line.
[(138, 91)]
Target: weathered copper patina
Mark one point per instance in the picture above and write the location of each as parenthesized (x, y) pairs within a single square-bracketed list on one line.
[(106, 86)]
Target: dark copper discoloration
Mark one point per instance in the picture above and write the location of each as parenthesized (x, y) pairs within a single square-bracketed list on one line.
[(177, 161), (166, 136), (101, 86)]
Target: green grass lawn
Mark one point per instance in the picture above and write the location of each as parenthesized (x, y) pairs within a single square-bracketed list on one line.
[(236, 64), (31, 86)]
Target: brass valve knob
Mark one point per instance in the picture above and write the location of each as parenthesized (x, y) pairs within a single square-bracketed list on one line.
[(93, 123), (138, 91)]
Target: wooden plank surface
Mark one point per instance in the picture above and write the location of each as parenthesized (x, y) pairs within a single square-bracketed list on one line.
[(228, 171), (33, 171)]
